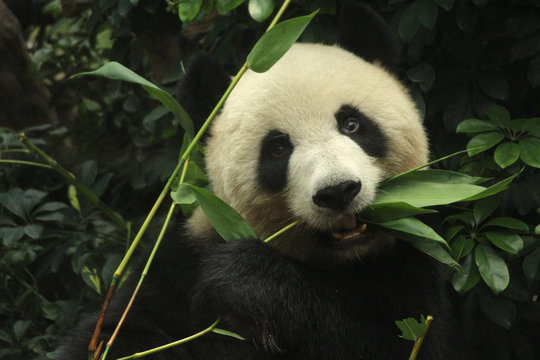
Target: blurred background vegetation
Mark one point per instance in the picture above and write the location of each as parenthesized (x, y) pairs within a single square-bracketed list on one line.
[(58, 251)]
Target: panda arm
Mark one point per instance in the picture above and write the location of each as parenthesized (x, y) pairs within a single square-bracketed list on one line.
[(280, 304)]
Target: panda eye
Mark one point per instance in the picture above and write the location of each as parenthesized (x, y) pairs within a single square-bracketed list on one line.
[(279, 149), (350, 125)]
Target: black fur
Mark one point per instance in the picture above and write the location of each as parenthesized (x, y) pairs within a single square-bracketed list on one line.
[(272, 167), (368, 136), (201, 87), (284, 309)]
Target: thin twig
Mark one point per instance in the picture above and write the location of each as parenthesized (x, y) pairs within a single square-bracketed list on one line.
[(286, 228), (22, 162), (418, 343)]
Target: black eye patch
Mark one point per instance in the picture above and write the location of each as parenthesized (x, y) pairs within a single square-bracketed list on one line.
[(276, 150), (364, 131)]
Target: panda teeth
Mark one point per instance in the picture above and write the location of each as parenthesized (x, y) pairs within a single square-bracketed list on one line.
[(350, 235)]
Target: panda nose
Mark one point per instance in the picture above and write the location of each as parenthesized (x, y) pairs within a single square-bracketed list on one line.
[(337, 197)]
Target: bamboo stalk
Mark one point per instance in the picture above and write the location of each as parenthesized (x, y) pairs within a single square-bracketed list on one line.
[(418, 343)]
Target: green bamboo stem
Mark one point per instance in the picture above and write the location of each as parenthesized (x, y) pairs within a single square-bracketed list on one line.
[(73, 180), (286, 228), (418, 343), (170, 345), (22, 162), (278, 15)]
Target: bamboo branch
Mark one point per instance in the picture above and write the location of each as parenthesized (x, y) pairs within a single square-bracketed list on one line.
[(418, 343)]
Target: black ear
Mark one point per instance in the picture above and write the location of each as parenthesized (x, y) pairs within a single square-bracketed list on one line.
[(363, 32), (201, 87)]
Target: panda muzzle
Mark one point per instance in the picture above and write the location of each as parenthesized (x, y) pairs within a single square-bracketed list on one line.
[(347, 228)]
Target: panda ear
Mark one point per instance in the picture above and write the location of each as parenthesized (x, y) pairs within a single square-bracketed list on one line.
[(365, 33), (201, 87)]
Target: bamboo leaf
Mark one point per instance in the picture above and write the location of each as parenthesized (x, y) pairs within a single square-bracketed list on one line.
[(436, 251), (494, 189), (492, 267), (227, 333), (412, 226), (116, 71), (229, 224), (275, 43), (392, 211)]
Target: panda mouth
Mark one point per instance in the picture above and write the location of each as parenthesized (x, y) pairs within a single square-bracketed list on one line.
[(346, 231)]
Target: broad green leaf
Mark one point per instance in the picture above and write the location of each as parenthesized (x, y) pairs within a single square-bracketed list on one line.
[(483, 142), (10, 235), (392, 211), (227, 222), (275, 43), (50, 206), (414, 227), (483, 208), (12, 200), (506, 154), (509, 223), (428, 14), (445, 4), (423, 193), (423, 74), (20, 327), (492, 268), (435, 175), (227, 333), (116, 71), (412, 329), (463, 282), (530, 151), (505, 240), (224, 6), (494, 85), (436, 251), (494, 189), (498, 309), (532, 127), (34, 231), (499, 116), (409, 22), (531, 266), (453, 231), (260, 10), (461, 247), (188, 9), (183, 195), (475, 126)]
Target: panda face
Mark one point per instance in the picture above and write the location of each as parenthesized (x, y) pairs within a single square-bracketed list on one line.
[(310, 140)]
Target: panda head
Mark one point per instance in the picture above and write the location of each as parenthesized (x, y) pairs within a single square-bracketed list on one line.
[(310, 140)]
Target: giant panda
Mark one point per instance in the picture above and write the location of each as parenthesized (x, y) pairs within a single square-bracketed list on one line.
[(309, 140)]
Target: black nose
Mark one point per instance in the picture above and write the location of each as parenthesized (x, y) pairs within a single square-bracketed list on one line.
[(337, 197)]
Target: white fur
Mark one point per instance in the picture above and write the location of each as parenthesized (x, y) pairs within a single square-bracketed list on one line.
[(299, 96)]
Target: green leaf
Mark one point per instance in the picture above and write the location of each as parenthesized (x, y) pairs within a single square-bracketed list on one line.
[(505, 240), (91, 277), (412, 329), (10, 235), (412, 226), (494, 189), (73, 199), (224, 6), (463, 282), (494, 85), (12, 200), (183, 195), (492, 268), (20, 327), (34, 231), (392, 211), (275, 43), (475, 126), (50, 207), (532, 127), (260, 10), (227, 222), (445, 4), (116, 71), (482, 209), (531, 266), (435, 175), (188, 10), (423, 74), (428, 14), (506, 154), (509, 223), (499, 115), (483, 142), (409, 23), (530, 151), (498, 309), (461, 247), (227, 333), (436, 251)]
